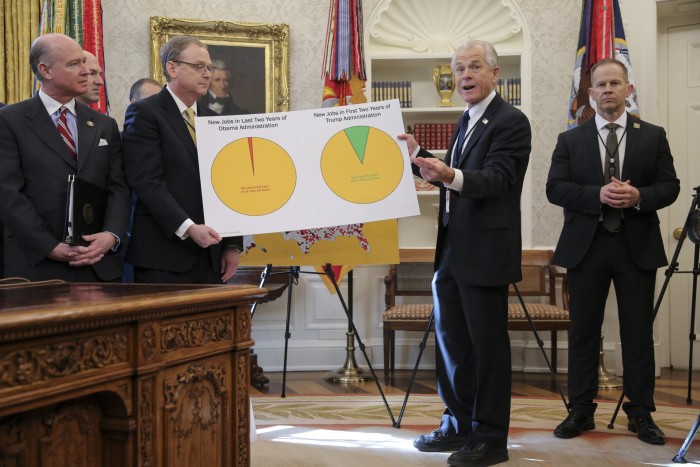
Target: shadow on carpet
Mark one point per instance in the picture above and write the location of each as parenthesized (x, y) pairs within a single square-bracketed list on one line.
[(354, 431)]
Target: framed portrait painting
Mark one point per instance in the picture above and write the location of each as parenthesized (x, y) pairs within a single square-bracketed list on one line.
[(255, 55)]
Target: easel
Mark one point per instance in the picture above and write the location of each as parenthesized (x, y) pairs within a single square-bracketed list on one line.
[(540, 343), (293, 279), (691, 228)]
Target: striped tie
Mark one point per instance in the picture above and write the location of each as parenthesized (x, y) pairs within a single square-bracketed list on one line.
[(65, 132)]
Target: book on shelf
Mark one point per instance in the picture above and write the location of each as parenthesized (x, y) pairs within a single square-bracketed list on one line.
[(433, 136), (387, 90), (509, 89)]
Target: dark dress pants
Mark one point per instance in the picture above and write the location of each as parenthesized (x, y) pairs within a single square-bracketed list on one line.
[(202, 273), (609, 259), (472, 356)]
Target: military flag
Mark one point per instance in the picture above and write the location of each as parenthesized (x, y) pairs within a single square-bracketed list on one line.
[(343, 74), (601, 35)]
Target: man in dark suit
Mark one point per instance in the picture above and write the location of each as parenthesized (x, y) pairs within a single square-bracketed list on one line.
[(36, 161), (218, 98), (142, 88), (95, 80), (611, 175), (477, 256), (170, 242)]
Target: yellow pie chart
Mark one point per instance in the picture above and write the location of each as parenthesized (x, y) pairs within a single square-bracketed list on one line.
[(253, 176), (362, 164)]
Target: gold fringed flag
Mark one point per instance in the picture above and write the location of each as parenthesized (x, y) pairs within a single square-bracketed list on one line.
[(81, 20), (343, 61), (601, 36), (344, 76)]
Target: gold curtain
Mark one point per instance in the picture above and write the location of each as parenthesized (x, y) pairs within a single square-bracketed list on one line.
[(20, 21)]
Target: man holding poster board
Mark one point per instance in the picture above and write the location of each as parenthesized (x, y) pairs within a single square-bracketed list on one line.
[(170, 242)]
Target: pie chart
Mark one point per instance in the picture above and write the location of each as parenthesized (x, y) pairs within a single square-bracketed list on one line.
[(362, 164), (253, 176)]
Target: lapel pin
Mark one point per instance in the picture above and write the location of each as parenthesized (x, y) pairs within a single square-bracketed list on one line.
[(90, 124), (636, 126), (485, 121)]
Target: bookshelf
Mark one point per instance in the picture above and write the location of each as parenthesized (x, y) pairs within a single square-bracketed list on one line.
[(406, 40)]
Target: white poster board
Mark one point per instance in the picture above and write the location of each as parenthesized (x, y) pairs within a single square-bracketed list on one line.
[(304, 169)]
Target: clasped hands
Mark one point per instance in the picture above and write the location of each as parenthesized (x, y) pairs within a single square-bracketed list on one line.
[(619, 195), (84, 255)]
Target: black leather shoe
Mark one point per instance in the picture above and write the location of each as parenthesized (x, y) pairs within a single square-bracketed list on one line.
[(438, 441), (478, 453), (646, 429), (574, 425)]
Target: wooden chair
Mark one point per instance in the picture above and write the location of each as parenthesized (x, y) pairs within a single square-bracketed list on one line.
[(405, 279), (540, 278), (413, 277)]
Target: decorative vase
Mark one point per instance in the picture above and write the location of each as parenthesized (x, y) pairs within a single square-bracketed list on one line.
[(444, 84)]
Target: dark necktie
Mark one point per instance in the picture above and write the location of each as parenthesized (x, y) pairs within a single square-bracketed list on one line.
[(463, 125), (65, 132), (454, 161), (611, 216)]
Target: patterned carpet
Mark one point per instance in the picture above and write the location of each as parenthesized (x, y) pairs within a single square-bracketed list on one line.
[(318, 431)]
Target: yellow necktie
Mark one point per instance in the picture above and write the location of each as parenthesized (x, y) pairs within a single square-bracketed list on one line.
[(189, 118)]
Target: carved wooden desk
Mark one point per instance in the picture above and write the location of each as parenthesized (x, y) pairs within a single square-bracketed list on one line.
[(114, 375)]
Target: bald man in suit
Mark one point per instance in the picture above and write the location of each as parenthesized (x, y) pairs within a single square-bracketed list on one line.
[(35, 162), (611, 175)]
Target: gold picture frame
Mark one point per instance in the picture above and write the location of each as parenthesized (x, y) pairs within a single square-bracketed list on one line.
[(255, 53)]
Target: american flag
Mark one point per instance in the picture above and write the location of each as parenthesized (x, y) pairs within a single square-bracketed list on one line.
[(601, 36)]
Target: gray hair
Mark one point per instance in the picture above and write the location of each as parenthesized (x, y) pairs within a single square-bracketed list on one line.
[(172, 50), (40, 52), (490, 53)]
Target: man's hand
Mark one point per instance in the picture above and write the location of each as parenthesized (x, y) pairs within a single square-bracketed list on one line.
[(63, 252), (433, 169), (76, 255), (230, 258), (203, 235), (412, 143), (619, 195)]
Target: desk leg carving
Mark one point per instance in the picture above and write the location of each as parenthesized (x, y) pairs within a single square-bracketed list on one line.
[(257, 378)]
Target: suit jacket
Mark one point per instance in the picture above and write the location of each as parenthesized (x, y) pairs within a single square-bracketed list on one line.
[(229, 108), (163, 170), (576, 176), (484, 229), (34, 169)]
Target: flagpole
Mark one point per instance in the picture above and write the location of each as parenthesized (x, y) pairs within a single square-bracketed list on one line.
[(349, 373), (342, 62)]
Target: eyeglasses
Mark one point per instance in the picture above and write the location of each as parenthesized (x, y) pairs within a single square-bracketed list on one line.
[(198, 67)]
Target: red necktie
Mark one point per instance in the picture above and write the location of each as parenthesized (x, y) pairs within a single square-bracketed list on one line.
[(65, 132)]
